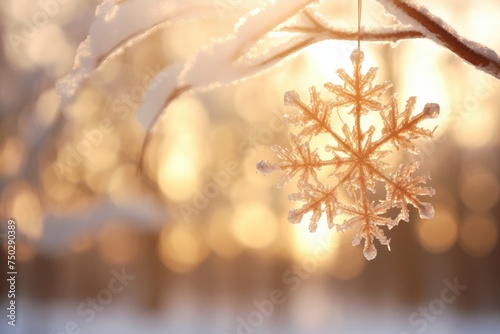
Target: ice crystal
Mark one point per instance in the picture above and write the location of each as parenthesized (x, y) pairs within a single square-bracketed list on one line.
[(354, 158)]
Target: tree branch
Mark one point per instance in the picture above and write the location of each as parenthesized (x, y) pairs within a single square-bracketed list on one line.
[(434, 28), (392, 34), (416, 22)]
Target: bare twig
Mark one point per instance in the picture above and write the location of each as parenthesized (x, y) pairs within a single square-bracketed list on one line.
[(372, 35)]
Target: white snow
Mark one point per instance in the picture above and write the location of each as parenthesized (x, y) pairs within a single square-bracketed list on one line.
[(209, 64), (182, 315), (226, 60), (118, 25), (158, 93), (491, 58)]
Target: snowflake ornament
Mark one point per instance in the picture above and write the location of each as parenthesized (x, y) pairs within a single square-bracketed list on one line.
[(355, 158)]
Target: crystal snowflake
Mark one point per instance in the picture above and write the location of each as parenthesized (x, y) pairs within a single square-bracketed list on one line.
[(354, 158)]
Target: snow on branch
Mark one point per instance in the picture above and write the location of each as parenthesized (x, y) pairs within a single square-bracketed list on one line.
[(226, 60), (416, 22), (435, 29), (319, 26), (253, 47), (119, 25)]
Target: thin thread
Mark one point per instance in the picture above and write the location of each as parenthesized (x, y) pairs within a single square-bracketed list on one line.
[(360, 3)]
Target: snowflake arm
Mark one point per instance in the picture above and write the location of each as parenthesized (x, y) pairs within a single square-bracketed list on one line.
[(299, 160), (404, 189), (401, 128), (315, 118), (317, 199), (361, 92), (368, 217)]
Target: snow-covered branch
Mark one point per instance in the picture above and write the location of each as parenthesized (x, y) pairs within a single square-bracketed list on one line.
[(415, 22), (251, 48), (435, 29), (116, 27), (317, 25)]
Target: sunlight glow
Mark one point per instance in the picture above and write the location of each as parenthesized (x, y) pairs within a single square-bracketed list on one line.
[(254, 225), (178, 176), (179, 167), (19, 200), (307, 244), (181, 248)]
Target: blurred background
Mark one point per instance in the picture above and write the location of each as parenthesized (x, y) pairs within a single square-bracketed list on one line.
[(199, 242)]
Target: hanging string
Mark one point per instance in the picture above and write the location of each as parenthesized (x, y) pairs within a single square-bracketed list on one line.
[(360, 3)]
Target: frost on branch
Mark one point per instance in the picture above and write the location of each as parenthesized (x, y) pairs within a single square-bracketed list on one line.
[(117, 26), (354, 158)]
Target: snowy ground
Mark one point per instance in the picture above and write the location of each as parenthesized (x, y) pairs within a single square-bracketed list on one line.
[(124, 318)]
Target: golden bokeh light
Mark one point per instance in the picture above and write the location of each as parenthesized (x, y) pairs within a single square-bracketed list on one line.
[(254, 225), (182, 153), (437, 235), (88, 103), (224, 138), (310, 244), (417, 80), (123, 182), (182, 248), (103, 156), (200, 157), (478, 127), (446, 197), (11, 153), (255, 108), (479, 188), (326, 57), (242, 190), (219, 236), (178, 175), (21, 202), (57, 191), (423, 79), (479, 234), (57, 58), (187, 120)]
